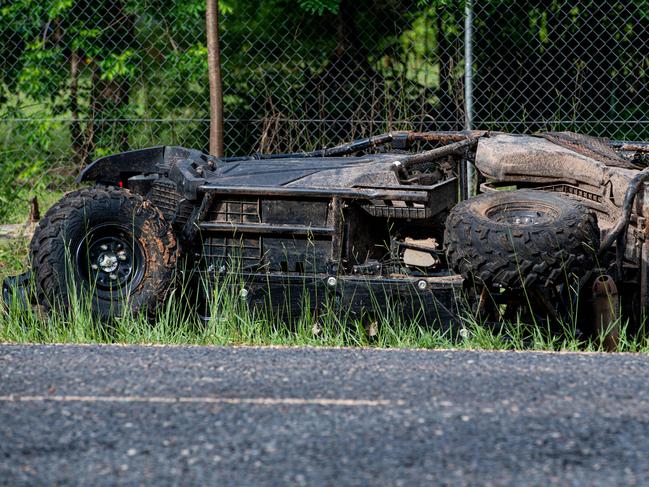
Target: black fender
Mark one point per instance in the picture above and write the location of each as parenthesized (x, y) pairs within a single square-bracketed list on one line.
[(117, 168), (137, 169)]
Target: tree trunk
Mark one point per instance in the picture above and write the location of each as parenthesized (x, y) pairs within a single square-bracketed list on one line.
[(214, 74)]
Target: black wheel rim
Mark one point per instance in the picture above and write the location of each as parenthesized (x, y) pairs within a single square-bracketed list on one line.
[(522, 213), (110, 259)]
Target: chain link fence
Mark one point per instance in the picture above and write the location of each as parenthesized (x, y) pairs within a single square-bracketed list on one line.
[(566, 65), (86, 78)]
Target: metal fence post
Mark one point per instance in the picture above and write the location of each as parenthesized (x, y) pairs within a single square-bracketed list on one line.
[(468, 85)]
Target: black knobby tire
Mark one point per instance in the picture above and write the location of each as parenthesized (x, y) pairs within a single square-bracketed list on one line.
[(109, 243), (518, 239)]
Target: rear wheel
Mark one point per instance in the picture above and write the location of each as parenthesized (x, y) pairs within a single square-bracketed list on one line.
[(107, 243)]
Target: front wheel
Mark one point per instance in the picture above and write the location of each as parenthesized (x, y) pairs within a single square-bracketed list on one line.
[(105, 243), (519, 239)]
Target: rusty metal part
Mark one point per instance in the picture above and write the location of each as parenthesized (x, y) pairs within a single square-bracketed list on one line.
[(446, 136), (629, 146), (606, 311), (343, 149), (456, 148), (357, 145), (483, 299), (403, 138), (644, 277), (539, 298)]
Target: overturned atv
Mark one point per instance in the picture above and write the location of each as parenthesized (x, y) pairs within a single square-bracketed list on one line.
[(559, 226)]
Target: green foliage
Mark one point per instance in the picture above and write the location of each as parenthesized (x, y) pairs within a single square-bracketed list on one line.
[(232, 322), (114, 66), (300, 74), (319, 6)]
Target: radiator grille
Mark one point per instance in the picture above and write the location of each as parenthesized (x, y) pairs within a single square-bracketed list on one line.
[(235, 211)]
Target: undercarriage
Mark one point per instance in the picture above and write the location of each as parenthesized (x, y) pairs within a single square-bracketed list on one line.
[(379, 220)]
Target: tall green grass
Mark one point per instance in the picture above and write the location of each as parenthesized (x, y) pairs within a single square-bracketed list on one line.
[(233, 322)]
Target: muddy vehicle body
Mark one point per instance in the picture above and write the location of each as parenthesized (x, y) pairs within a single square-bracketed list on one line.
[(377, 220)]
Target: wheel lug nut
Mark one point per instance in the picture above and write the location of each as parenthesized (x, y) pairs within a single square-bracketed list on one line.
[(113, 276), (94, 267), (104, 247), (121, 256)]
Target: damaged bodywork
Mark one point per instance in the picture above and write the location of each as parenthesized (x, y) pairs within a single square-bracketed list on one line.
[(365, 223)]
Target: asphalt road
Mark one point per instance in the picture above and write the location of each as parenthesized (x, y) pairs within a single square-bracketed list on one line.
[(261, 416)]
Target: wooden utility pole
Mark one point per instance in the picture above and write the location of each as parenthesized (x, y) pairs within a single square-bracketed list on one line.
[(214, 74)]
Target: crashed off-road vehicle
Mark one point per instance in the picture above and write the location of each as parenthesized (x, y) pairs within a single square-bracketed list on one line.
[(558, 227)]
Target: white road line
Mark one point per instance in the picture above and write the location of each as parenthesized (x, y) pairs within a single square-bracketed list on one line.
[(263, 401)]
